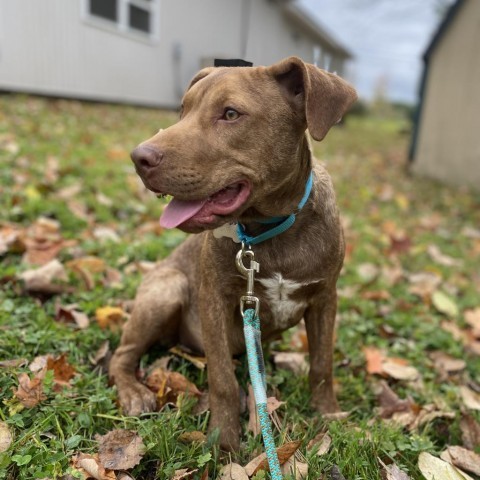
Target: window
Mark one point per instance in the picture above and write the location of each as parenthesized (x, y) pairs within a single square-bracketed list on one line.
[(136, 16)]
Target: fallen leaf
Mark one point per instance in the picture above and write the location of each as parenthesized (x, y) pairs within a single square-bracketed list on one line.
[(102, 357), (39, 363), (120, 449), (465, 459), (367, 272), (29, 391), (6, 437), (438, 257), (472, 317), (253, 420), (11, 239), (444, 304), (63, 372), (336, 474), (86, 268), (399, 370), (335, 416), (192, 437), (105, 234), (320, 443), (183, 473), (13, 363), (446, 364), (392, 472), (375, 359), (293, 467), (399, 244), (390, 403), (46, 278), (91, 467), (424, 284), (71, 314), (233, 471), (470, 429), (470, 398), (110, 317), (169, 385), (293, 361), (43, 241), (434, 468), (260, 463)]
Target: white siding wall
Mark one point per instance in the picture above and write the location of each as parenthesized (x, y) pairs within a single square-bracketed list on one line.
[(48, 47)]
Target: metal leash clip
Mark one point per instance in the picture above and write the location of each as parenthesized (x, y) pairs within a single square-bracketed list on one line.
[(249, 274)]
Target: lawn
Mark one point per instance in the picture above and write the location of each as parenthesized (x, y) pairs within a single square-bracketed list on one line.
[(407, 357)]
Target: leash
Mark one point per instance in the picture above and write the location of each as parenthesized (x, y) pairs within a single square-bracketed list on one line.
[(256, 364)]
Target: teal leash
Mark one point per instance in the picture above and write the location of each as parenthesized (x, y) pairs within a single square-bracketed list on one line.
[(251, 321), (256, 364)]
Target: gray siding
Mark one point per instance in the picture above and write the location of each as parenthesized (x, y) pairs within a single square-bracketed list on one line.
[(52, 47)]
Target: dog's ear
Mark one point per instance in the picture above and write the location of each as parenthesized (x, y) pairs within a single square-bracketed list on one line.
[(201, 74), (322, 96)]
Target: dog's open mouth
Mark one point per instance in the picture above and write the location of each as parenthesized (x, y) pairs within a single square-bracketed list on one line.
[(204, 211)]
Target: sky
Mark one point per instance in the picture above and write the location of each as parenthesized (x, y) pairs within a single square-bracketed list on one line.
[(387, 38)]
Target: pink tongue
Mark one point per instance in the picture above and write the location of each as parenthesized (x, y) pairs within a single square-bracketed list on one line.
[(178, 211)]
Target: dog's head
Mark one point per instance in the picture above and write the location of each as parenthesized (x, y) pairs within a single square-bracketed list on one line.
[(239, 134)]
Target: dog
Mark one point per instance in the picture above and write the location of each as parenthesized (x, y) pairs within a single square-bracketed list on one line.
[(240, 154)]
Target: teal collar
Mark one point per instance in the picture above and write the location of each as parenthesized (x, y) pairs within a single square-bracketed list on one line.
[(285, 222)]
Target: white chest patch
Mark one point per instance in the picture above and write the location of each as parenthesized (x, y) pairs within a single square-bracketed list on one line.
[(278, 291)]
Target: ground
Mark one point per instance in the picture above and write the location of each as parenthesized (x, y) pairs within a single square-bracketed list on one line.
[(407, 357)]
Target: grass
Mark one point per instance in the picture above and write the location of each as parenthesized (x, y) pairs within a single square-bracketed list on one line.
[(378, 200)]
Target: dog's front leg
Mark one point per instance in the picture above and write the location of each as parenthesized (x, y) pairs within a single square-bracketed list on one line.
[(320, 323), (223, 390)]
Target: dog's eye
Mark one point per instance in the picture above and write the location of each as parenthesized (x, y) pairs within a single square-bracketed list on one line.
[(230, 114)]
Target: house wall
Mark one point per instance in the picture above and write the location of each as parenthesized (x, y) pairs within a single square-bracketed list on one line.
[(448, 147), (49, 47)]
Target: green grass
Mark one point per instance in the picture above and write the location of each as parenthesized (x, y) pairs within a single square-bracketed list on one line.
[(366, 158)]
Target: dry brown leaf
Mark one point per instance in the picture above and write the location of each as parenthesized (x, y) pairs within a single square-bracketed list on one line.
[(298, 470), (470, 398), (11, 239), (392, 472), (102, 356), (43, 241), (13, 363), (46, 279), (29, 391), (367, 272), (253, 420), (199, 362), (232, 471), (434, 468), (169, 385), (446, 364), (399, 370), (39, 363), (472, 317), (465, 459), (183, 473), (273, 404), (6, 437), (63, 372), (71, 314), (110, 317), (260, 463), (470, 429), (390, 403), (120, 449), (91, 467), (105, 234), (192, 437), (438, 257), (375, 359), (423, 284), (376, 295), (292, 361), (335, 416), (321, 443)]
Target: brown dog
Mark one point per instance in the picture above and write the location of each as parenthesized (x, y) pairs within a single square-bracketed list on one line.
[(240, 154)]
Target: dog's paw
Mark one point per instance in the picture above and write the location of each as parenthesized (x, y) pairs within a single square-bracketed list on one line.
[(135, 399)]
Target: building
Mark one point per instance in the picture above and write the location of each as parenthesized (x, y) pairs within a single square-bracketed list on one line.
[(446, 139), (145, 51)]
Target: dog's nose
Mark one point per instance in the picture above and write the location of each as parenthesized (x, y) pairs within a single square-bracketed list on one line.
[(146, 157)]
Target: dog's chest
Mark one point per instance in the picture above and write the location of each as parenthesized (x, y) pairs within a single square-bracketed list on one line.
[(282, 296)]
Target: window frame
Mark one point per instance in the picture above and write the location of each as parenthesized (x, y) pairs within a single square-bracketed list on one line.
[(122, 26)]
